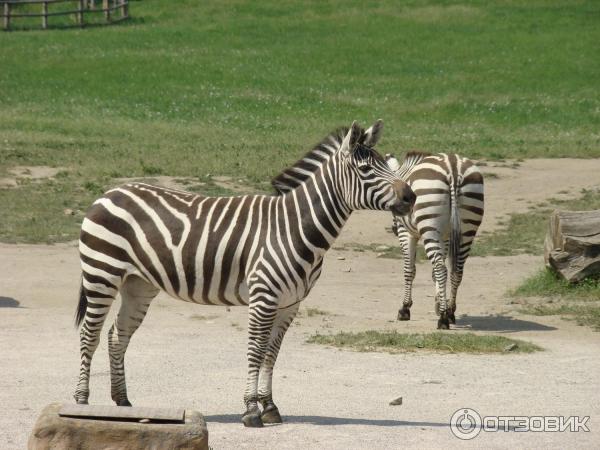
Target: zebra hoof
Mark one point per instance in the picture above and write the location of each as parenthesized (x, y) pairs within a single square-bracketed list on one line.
[(452, 318), (123, 403), (81, 401), (252, 420), (404, 314), (271, 415), (443, 323)]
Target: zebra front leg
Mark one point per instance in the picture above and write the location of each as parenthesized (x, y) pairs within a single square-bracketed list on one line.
[(408, 244), (283, 321), (136, 296), (261, 315), (96, 299)]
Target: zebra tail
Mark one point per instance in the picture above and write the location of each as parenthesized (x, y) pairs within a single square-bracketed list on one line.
[(81, 307), (455, 228)]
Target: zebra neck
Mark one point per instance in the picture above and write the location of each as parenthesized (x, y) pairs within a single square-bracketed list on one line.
[(320, 209)]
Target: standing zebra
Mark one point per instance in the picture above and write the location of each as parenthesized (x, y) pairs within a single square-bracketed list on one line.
[(257, 250), (447, 214)]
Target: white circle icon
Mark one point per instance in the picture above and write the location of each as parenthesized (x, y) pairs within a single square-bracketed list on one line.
[(465, 423)]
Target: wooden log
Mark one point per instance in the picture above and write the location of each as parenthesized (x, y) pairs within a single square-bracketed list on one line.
[(572, 246)]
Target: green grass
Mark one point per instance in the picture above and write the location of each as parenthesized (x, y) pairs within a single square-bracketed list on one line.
[(588, 315), (394, 342), (382, 250), (578, 301), (525, 232), (546, 284), (191, 89), (311, 312)]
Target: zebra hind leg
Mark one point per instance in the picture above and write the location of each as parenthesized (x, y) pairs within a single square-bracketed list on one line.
[(408, 245), (136, 296), (435, 250), (96, 298), (440, 275), (270, 413), (456, 279)]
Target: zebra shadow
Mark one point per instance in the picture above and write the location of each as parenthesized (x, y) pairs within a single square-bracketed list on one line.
[(326, 420), (499, 324), (9, 302)]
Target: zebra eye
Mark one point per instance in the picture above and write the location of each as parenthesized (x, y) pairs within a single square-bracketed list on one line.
[(364, 167)]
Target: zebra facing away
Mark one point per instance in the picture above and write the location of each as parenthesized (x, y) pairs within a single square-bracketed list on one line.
[(257, 250), (447, 214)]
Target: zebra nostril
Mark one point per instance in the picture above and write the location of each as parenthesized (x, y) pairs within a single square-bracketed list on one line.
[(409, 198)]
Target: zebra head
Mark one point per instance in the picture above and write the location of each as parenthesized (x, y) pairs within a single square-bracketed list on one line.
[(369, 182)]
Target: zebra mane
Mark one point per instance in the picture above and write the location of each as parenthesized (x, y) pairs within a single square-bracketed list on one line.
[(413, 158), (302, 169)]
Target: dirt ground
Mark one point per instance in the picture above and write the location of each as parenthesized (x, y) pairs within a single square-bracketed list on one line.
[(194, 356)]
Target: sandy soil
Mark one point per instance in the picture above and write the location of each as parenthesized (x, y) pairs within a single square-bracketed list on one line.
[(194, 356)]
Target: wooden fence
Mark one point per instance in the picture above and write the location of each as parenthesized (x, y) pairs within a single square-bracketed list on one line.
[(80, 8)]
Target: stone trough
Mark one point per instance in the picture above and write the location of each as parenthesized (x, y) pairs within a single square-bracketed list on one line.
[(72, 427)]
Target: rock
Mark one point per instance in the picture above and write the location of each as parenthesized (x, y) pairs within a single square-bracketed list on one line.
[(68, 212), (52, 431), (382, 248), (341, 258), (511, 347), (396, 402), (572, 246)]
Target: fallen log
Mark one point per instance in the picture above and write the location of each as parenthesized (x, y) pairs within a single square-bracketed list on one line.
[(572, 246)]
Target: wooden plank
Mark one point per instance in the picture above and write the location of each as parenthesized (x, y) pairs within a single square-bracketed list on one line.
[(123, 413), (45, 15), (32, 2), (50, 14), (6, 16), (79, 15)]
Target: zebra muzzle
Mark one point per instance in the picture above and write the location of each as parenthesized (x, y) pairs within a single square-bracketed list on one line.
[(405, 199)]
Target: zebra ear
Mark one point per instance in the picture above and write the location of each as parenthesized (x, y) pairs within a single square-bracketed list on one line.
[(373, 134), (351, 139)]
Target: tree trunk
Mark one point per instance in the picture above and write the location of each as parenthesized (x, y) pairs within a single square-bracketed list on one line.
[(572, 246)]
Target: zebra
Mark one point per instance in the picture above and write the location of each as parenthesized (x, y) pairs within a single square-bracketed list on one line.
[(447, 214), (263, 251)]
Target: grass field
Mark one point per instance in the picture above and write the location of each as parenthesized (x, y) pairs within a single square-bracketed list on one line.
[(236, 88), (394, 342), (554, 296)]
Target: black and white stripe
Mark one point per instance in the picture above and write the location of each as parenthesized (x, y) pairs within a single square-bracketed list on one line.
[(446, 215), (257, 250)]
